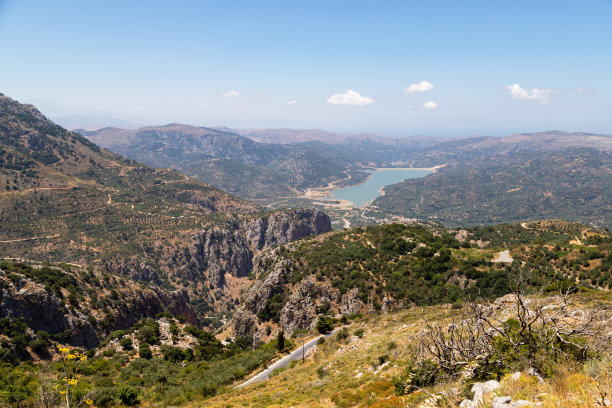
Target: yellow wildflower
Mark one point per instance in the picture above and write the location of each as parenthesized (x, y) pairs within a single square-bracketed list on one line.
[(73, 381), (62, 392), (88, 401), (64, 350), (70, 357)]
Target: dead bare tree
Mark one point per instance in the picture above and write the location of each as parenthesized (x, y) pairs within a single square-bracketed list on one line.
[(532, 328), (48, 396), (456, 346)]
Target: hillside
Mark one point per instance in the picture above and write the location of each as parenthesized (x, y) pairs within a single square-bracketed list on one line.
[(486, 150), (393, 266), (368, 362), (224, 159), (574, 184), (65, 200)]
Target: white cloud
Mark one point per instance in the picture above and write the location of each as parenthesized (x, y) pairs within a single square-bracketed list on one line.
[(422, 86), (291, 102), (349, 98), (230, 94), (535, 94), (409, 106), (430, 105)]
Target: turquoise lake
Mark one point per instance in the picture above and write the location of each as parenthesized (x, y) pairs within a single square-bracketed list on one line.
[(361, 194)]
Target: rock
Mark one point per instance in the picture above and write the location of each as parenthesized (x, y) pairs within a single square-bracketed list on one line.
[(516, 376), (486, 387), (387, 304), (351, 302), (501, 402), (479, 390), (217, 251), (359, 375), (283, 227), (506, 402), (43, 310), (532, 371), (381, 367), (243, 322)]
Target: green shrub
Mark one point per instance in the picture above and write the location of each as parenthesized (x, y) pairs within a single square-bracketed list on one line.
[(104, 397), (148, 334), (325, 324), (342, 334), (40, 347), (413, 378), (272, 308), (208, 390), (382, 359), (321, 372), (280, 341), (177, 354), (144, 351), (126, 343), (127, 395), (359, 333)]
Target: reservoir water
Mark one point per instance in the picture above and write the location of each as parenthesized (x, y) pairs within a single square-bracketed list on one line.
[(361, 194)]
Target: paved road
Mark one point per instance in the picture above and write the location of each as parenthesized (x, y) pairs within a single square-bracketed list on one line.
[(284, 362)]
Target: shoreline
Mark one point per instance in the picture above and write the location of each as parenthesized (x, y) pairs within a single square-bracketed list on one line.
[(321, 193), (433, 169)]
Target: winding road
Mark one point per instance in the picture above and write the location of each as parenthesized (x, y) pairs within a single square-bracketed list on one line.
[(284, 362)]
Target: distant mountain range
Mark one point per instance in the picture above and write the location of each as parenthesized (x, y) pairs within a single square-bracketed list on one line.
[(234, 163), (287, 136), (93, 122), (485, 179), (518, 177)]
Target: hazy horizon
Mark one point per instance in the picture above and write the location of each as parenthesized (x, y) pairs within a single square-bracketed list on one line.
[(74, 122)]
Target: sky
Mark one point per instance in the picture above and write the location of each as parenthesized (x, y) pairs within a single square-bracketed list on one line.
[(438, 68)]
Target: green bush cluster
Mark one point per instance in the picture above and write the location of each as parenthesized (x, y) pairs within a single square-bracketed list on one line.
[(325, 324)]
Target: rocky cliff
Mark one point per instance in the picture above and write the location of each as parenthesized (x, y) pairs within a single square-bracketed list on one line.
[(81, 314), (213, 265), (220, 254), (230, 250), (297, 302)]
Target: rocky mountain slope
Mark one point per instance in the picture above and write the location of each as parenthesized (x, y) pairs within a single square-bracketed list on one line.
[(227, 160), (78, 305), (184, 244), (486, 150), (573, 184), (392, 266)]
